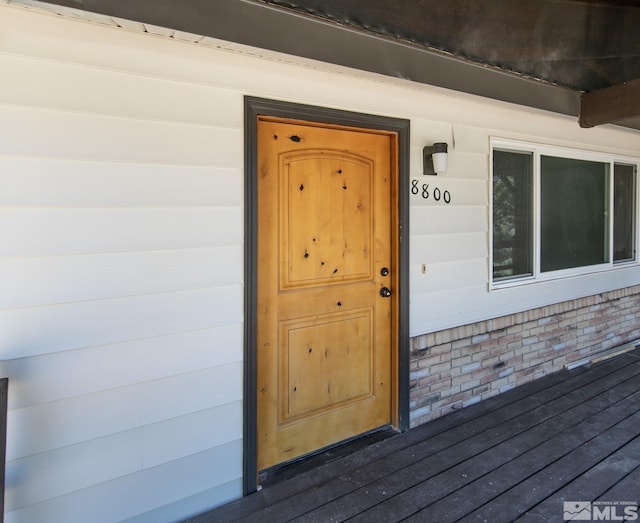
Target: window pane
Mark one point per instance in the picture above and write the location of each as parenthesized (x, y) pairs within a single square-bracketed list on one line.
[(624, 188), (512, 214), (573, 205)]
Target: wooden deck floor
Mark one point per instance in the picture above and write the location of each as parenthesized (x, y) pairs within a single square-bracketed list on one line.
[(571, 436)]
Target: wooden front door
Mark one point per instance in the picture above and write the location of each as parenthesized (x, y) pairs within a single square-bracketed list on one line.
[(326, 260)]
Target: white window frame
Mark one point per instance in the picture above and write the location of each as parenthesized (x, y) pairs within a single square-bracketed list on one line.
[(539, 150)]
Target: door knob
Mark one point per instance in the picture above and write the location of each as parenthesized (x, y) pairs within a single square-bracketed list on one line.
[(385, 292)]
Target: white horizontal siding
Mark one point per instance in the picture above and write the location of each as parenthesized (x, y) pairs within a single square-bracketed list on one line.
[(470, 166), (85, 324), (140, 492), (179, 437), (68, 87), (446, 248), (121, 213), (64, 470), (55, 376), (191, 505), (34, 281), (450, 276), (451, 240), (58, 134), (122, 286), (60, 231), (45, 427), (447, 219), (472, 139), (435, 307), (48, 182)]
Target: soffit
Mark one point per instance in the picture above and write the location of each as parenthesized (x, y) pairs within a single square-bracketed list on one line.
[(547, 54)]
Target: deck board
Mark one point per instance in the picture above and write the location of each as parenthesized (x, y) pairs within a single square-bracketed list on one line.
[(552, 474), (627, 489), (591, 485), (573, 435), (479, 479)]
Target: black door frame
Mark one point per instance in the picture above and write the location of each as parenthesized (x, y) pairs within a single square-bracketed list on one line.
[(254, 107)]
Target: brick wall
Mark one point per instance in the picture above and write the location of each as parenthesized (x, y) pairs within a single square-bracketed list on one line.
[(457, 367)]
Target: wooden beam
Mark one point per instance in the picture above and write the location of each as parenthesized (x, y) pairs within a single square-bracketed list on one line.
[(610, 105)]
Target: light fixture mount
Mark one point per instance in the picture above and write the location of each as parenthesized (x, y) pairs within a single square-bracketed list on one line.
[(434, 158)]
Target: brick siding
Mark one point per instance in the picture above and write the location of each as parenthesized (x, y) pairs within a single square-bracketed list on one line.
[(457, 367)]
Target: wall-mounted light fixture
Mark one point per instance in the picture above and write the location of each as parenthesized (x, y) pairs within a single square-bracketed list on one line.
[(434, 158)]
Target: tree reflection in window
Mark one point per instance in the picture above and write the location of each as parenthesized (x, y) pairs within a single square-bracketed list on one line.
[(512, 214)]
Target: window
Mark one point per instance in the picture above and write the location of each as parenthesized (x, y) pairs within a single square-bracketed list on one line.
[(559, 210), (624, 205), (512, 214), (573, 213)]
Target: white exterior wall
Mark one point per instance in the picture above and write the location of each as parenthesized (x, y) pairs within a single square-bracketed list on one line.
[(121, 260)]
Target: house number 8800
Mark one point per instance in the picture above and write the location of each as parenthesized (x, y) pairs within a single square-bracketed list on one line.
[(427, 193)]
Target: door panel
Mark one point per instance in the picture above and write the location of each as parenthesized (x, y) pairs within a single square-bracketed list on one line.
[(325, 363), (324, 336), (329, 195)]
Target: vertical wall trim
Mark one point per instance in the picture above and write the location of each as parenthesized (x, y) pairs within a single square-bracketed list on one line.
[(254, 107), (4, 394), (250, 457)]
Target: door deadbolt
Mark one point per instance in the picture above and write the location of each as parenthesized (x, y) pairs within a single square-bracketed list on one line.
[(385, 292), (384, 271)]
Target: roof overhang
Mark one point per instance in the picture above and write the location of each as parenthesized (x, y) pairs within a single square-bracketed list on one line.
[(254, 23)]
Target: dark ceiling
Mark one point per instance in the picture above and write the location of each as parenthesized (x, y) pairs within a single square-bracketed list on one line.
[(584, 45)]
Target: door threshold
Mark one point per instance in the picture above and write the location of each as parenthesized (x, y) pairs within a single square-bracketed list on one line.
[(298, 466)]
